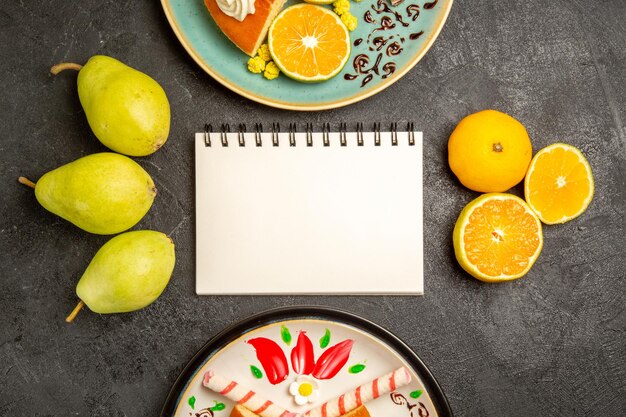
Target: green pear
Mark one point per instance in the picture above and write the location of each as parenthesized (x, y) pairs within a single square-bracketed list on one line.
[(103, 193), (127, 273), (127, 110)]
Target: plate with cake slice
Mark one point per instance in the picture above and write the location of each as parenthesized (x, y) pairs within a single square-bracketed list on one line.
[(311, 55), (306, 362)]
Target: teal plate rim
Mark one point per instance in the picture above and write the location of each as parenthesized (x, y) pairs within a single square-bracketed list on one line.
[(316, 105)]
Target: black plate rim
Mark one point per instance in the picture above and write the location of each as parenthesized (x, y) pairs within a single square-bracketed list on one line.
[(267, 317)]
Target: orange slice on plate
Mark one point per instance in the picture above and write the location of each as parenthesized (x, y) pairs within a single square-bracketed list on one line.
[(309, 43), (559, 183), (497, 237)]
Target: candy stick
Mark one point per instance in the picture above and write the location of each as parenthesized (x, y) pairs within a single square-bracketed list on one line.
[(244, 396), (367, 392)]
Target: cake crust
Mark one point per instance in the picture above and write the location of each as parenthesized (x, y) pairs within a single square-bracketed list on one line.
[(240, 411)]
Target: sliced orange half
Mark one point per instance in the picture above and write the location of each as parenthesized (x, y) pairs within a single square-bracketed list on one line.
[(309, 43), (497, 237), (559, 184)]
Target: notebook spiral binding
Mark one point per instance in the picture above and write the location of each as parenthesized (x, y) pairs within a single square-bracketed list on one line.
[(293, 129)]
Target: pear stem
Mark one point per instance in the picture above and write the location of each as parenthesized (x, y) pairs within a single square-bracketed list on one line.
[(64, 66), (75, 312), (26, 181)]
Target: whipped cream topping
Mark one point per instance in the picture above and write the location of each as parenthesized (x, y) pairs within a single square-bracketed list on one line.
[(238, 9)]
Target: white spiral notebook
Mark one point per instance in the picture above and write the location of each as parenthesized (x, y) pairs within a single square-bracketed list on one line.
[(330, 212)]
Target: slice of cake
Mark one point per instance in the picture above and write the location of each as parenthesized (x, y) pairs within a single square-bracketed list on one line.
[(358, 412), (240, 411), (244, 22)]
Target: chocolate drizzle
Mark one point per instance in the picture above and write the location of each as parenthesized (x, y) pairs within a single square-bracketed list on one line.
[(360, 62), (205, 412), (414, 36), (416, 410), (376, 64), (430, 5), (385, 24), (360, 65), (379, 42), (394, 49), (381, 7), (385, 19), (413, 11), (389, 68), (398, 398)]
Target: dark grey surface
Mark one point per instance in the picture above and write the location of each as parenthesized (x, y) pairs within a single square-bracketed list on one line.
[(549, 344)]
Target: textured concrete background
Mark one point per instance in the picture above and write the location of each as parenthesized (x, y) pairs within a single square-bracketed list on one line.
[(551, 344)]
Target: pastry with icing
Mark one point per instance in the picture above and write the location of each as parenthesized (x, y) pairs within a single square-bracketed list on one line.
[(244, 22)]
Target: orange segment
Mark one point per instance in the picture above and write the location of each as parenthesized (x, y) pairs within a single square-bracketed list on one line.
[(497, 237), (559, 183), (309, 43)]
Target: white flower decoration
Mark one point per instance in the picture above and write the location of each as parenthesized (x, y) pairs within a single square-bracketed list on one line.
[(304, 390)]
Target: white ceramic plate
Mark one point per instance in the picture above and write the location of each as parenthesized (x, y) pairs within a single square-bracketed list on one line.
[(374, 352)]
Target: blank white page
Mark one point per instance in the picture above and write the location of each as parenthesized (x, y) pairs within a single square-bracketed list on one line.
[(309, 220)]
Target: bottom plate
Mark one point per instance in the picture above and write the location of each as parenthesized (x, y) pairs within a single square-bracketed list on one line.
[(260, 353)]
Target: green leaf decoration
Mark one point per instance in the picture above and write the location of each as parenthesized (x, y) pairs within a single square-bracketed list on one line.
[(285, 334), (217, 407), (325, 340), (355, 369), (416, 394), (256, 372), (192, 402)]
